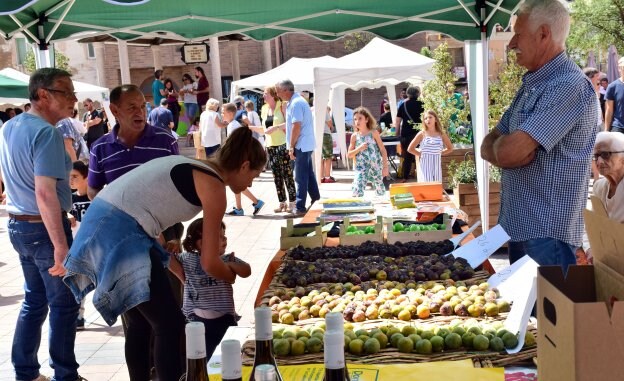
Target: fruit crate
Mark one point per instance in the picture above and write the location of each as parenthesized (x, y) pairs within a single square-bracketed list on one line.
[(391, 355), (292, 236), (355, 240), (426, 236)]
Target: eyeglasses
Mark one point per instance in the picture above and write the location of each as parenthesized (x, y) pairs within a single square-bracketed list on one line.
[(606, 155), (66, 94)]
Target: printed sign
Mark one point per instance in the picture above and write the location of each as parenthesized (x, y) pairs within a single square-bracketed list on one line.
[(195, 53)]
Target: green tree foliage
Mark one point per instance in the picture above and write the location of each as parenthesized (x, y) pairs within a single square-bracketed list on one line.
[(503, 91), (425, 51), (356, 41), (596, 24), (60, 61), (437, 92)]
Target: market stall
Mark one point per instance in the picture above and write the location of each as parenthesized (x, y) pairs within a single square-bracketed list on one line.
[(418, 306)]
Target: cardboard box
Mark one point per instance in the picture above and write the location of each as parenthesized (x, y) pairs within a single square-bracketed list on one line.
[(420, 191), (581, 316)]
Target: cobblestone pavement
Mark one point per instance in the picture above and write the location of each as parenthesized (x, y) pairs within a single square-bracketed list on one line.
[(99, 348)]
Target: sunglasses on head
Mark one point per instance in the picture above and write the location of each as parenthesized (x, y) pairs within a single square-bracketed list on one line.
[(606, 155)]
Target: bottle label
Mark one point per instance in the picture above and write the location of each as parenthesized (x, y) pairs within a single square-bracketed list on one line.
[(195, 341), (195, 353), (334, 357), (264, 325), (231, 374)]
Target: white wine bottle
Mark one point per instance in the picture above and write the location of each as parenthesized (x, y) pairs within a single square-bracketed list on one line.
[(265, 372), (196, 360), (334, 322), (335, 369), (264, 342), (231, 363)]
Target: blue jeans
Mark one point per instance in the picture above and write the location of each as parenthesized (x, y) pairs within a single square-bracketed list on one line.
[(305, 179), (191, 111), (544, 251), (41, 290), (211, 150), (617, 129)]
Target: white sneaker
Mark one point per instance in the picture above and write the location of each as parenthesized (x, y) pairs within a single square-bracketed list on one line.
[(280, 208), (291, 207)]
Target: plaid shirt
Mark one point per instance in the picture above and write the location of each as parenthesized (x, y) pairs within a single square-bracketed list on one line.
[(556, 106)]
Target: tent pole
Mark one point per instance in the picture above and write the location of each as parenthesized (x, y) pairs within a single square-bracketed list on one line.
[(124, 61), (216, 91), (482, 128)]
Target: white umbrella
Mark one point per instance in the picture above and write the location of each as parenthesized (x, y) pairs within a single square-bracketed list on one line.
[(612, 64)]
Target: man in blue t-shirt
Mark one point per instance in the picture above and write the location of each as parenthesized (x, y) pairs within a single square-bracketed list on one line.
[(35, 169), (300, 143), (158, 87), (614, 102), (161, 116)]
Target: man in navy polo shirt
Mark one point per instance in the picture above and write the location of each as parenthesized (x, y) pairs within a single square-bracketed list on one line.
[(131, 143), (161, 116)]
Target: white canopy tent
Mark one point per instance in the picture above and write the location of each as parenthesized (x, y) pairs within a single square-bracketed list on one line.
[(83, 90), (298, 70), (379, 63)]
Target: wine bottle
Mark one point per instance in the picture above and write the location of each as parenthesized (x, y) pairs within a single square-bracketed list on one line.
[(334, 322), (231, 368), (265, 372), (335, 369), (264, 342), (196, 360)]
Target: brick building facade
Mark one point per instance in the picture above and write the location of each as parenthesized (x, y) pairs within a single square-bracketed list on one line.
[(84, 61)]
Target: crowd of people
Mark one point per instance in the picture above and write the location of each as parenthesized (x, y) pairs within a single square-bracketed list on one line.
[(119, 233)]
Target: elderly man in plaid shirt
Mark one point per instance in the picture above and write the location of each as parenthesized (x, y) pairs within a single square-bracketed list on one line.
[(544, 141)]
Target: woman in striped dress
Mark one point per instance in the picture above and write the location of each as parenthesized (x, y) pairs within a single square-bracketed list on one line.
[(432, 143)]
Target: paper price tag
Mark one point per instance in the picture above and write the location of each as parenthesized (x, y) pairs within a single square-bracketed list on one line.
[(514, 277), (480, 248), (520, 313)]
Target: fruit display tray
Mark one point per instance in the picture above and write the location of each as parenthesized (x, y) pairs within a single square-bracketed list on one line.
[(358, 239), (427, 236), (292, 236), (391, 355), (479, 277)]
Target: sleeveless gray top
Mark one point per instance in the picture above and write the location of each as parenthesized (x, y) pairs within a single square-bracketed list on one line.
[(149, 195)]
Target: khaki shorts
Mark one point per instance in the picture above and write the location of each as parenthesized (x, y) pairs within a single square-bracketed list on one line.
[(328, 147)]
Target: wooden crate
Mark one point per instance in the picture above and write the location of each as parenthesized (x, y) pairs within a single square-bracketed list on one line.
[(356, 240), (466, 198), (467, 195), (458, 155), (427, 236), (288, 239)]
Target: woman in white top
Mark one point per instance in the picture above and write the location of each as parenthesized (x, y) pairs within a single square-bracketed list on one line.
[(210, 125), (190, 98)]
